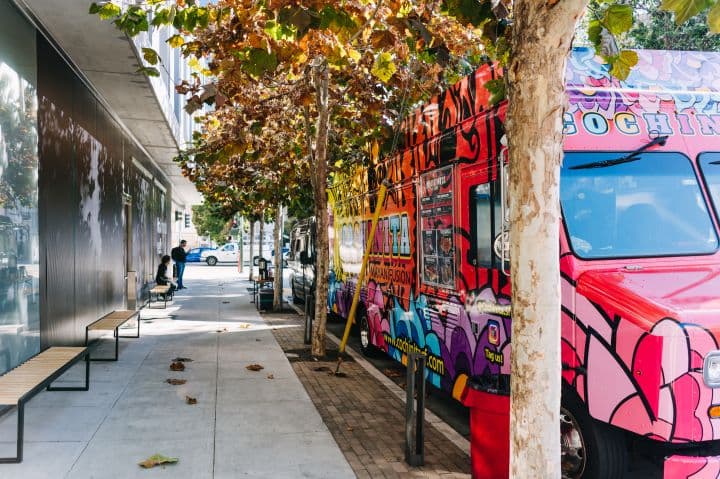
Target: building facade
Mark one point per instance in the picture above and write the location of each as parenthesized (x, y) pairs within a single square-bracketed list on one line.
[(86, 204)]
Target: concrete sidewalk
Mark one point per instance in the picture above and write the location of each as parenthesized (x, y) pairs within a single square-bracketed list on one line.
[(245, 424)]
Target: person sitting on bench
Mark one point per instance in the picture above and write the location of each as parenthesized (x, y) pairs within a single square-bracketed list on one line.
[(161, 277)]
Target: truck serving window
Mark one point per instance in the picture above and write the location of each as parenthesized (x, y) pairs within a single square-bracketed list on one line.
[(651, 206), (485, 223)]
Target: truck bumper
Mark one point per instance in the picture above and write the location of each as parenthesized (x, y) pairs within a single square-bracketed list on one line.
[(692, 467)]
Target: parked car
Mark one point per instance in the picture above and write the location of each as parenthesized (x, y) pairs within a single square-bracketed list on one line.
[(227, 253), (194, 255), (301, 259)]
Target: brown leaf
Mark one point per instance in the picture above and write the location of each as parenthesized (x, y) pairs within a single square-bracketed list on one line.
[(182, 360), (323, 369), (157, 460), (223, 330), (177, 366), (270, 376), (254, 367), (244, 325), (190, 400), (175, 382), (392, 373)]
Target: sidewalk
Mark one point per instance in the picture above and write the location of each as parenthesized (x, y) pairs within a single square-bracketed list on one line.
[(245, 424), (365, 415)]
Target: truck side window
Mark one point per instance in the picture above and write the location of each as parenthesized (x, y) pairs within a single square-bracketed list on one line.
[(485, 224)]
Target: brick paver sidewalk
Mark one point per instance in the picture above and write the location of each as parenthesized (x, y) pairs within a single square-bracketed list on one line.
[(364, 417)]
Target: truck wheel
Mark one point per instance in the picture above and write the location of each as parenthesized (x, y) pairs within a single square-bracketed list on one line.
[(366, 347), (211, 260), (589, 449)]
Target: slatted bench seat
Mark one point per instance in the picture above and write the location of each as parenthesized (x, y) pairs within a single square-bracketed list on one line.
[(18, 385), (160, 289), (112, 322)]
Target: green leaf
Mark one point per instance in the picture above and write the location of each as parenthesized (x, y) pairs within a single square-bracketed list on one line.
[(150, 56), (259, 61), (108, 11), (714, 18), (619, 19), (94, 8), (176, 41), (623, 64), (594, 30), (384, 67), (497, 90), (469, 11), (149, 71), (685, 9), (161, 17)]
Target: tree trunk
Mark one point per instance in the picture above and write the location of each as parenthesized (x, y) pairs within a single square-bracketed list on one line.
[(241, 245), (321, 80), (252, 249), (278, 283), (541, 39)]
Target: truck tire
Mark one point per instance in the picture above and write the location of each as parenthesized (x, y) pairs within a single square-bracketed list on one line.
[(211, 260), (364, 334), (590, 449)]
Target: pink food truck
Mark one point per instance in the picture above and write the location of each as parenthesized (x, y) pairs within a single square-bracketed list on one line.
[(640, 264)]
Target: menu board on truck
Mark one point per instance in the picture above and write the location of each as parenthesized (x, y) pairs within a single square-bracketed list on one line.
[(437, 228)]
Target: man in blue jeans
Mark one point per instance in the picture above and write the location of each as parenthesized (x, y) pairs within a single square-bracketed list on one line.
[(179, 255)]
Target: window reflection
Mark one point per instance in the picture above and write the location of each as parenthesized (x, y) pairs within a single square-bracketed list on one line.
[(19, 246)]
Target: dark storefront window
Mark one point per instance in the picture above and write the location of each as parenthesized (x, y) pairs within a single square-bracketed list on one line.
[(19, 248)]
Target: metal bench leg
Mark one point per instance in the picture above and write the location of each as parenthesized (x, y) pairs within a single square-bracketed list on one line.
[(87, 377), (137, 335), (20, 436)]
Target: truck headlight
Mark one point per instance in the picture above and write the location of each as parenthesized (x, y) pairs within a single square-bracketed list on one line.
[(711, 369)]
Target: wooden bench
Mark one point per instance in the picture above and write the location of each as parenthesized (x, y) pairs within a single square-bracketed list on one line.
[(160, 289), (112, 322), (18, 385)]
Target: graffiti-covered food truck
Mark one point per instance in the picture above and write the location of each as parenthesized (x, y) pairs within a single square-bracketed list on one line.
[(639, 262)]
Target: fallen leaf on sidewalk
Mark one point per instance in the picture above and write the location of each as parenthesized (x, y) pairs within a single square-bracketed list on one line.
[(183, 360), (323, 369), (392, 373), (270, 376), (226, 302), (223, 330), (244, 325), (157, 460), (190, 400), (175, 382), (349, 428), (177, 366), (254, 367)]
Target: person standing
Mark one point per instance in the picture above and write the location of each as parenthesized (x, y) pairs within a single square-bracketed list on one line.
[(179, 255)]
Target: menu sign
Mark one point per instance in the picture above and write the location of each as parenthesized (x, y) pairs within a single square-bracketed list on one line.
[(436, 225)]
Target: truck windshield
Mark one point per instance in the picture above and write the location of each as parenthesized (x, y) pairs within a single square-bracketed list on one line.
[(650, 207), (710, 169)]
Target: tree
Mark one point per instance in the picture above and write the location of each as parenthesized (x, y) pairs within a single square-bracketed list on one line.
[(341, 60), (656, 29), (211, 221)]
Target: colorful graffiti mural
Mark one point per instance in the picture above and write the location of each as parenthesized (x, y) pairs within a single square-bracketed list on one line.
[(636, 328)]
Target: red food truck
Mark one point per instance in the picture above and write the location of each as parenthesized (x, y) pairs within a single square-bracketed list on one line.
[(640, 266)]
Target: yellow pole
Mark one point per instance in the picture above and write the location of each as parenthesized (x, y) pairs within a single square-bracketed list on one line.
[(361, 276)]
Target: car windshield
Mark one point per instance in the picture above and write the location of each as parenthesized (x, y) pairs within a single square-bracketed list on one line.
[(649, 207)]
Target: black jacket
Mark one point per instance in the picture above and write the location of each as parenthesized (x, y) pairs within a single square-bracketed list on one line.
[(178, 254), (161, 275)]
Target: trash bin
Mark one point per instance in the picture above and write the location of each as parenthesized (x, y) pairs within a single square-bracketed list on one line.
[(265, 301), (489, 432)]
